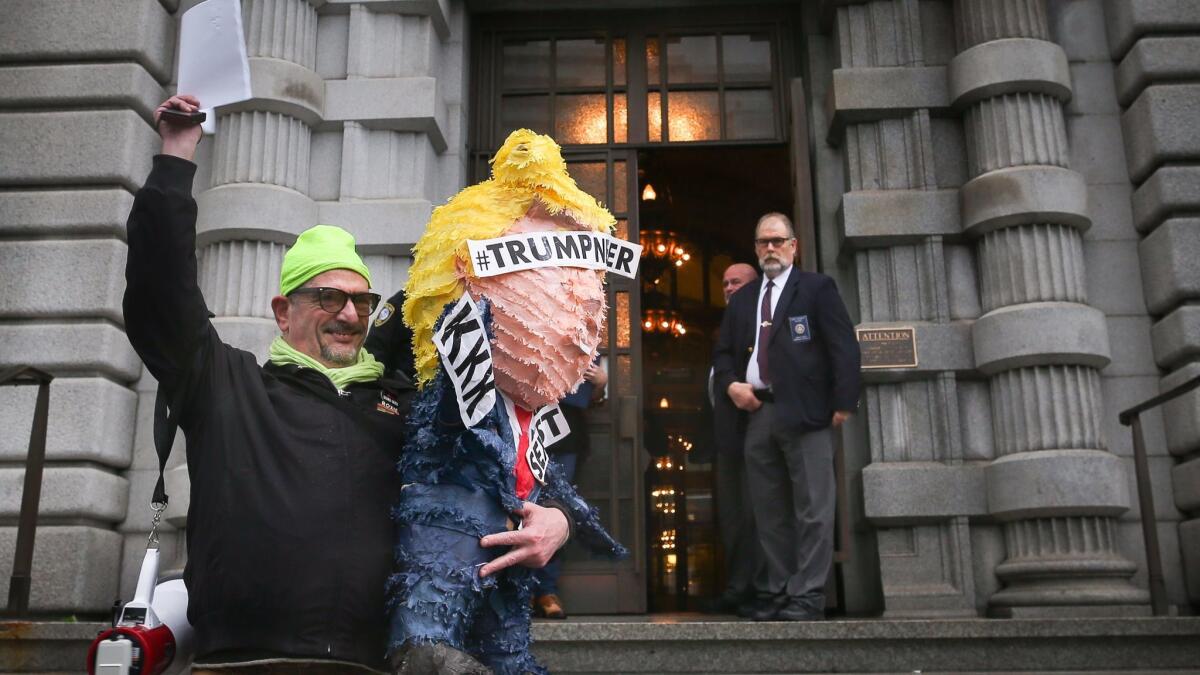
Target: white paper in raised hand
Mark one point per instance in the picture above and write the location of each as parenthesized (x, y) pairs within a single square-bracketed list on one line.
[(212, 54), (209, 125)]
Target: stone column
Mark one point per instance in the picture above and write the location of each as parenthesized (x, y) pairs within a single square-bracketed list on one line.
[(78, 88), (258, 199), (393, 145), (1053, 484), (1157, 45), (899, 214)]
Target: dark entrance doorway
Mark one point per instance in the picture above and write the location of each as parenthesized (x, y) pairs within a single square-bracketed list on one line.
[(697, 208)]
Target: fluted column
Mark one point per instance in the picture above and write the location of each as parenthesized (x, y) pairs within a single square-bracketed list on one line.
[(1053, 483), (903, 164), (258, 198), (281, 29), (239, 278)]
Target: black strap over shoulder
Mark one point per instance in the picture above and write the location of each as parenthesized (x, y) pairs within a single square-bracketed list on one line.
[(165, 427)]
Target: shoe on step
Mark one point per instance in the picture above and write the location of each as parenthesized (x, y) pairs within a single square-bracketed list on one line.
[(549, 606)]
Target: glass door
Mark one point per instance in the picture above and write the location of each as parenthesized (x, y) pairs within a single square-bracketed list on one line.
[(572, 85), (610, 477)]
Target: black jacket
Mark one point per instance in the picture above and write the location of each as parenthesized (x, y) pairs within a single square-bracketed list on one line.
[(728, 424), (289, 536), (814, 370)]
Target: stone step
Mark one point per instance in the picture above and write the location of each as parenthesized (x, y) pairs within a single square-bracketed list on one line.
[(684, 644), (698, 644)]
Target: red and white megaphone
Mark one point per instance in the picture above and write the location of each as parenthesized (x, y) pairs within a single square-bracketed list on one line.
[(152, 635)]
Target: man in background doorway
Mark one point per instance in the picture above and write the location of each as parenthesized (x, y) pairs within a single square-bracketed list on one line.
[(735, 516), (787, 356), (570, 452), (736, 276)]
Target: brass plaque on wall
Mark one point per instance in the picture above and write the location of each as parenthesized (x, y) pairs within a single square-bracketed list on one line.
[(887, 347)]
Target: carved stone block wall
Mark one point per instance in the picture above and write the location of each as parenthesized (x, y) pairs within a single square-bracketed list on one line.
[(76, 100), (993, 159), (1156, 48)]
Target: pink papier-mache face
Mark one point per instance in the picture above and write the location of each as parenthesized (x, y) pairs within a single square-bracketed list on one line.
[(547, 321)]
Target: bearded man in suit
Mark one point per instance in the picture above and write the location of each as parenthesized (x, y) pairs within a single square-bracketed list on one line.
[(788, 357)]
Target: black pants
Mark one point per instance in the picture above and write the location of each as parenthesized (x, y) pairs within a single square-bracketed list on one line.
[(735, 517)]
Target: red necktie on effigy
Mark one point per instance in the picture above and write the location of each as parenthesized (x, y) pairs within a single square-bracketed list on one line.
[(764, 335)]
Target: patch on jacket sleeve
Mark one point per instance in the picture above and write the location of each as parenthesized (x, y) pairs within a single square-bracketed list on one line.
[(385, 313)]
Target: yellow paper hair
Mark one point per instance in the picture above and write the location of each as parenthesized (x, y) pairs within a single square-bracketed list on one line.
[(528, 166)]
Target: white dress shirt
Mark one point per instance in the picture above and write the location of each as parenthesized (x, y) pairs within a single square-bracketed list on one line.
[(777, 284)]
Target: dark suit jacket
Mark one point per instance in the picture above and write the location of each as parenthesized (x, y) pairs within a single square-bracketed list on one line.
[(814, 370), (729, 423)]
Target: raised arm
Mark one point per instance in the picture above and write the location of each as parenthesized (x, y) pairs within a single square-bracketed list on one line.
[(165, 315)]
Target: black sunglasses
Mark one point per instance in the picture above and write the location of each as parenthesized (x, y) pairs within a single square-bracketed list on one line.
[(332, 300)]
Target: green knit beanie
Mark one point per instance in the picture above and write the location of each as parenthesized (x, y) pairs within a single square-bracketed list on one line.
[(319, 249)]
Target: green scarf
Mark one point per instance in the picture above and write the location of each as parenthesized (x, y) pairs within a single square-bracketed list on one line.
[(366, 369)]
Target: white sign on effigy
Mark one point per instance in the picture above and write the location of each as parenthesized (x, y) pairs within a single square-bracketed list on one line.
[(549, 426), (467, 358), (212, 56), (561, 248)]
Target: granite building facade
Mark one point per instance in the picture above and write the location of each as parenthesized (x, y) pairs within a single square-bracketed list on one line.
[(1015, 179)]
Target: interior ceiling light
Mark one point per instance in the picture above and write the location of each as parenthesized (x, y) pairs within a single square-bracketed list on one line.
[(664, 245), (648, 193), (665, 321)]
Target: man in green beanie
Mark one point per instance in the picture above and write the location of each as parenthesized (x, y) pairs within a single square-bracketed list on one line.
[(323, 307), (292, 463)]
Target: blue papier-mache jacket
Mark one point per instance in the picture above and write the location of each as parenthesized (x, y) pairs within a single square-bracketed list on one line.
[(440, 450)]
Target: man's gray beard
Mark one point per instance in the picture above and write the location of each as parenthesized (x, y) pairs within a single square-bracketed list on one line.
[(772, 268), (341, 359)]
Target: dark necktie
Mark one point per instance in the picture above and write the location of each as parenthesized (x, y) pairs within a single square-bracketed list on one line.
[(764, 335)]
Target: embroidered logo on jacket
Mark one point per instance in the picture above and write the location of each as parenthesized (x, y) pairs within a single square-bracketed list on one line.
[(387, 404), (800, 329)]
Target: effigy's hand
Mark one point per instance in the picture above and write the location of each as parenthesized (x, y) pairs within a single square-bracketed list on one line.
[(543, 532)]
